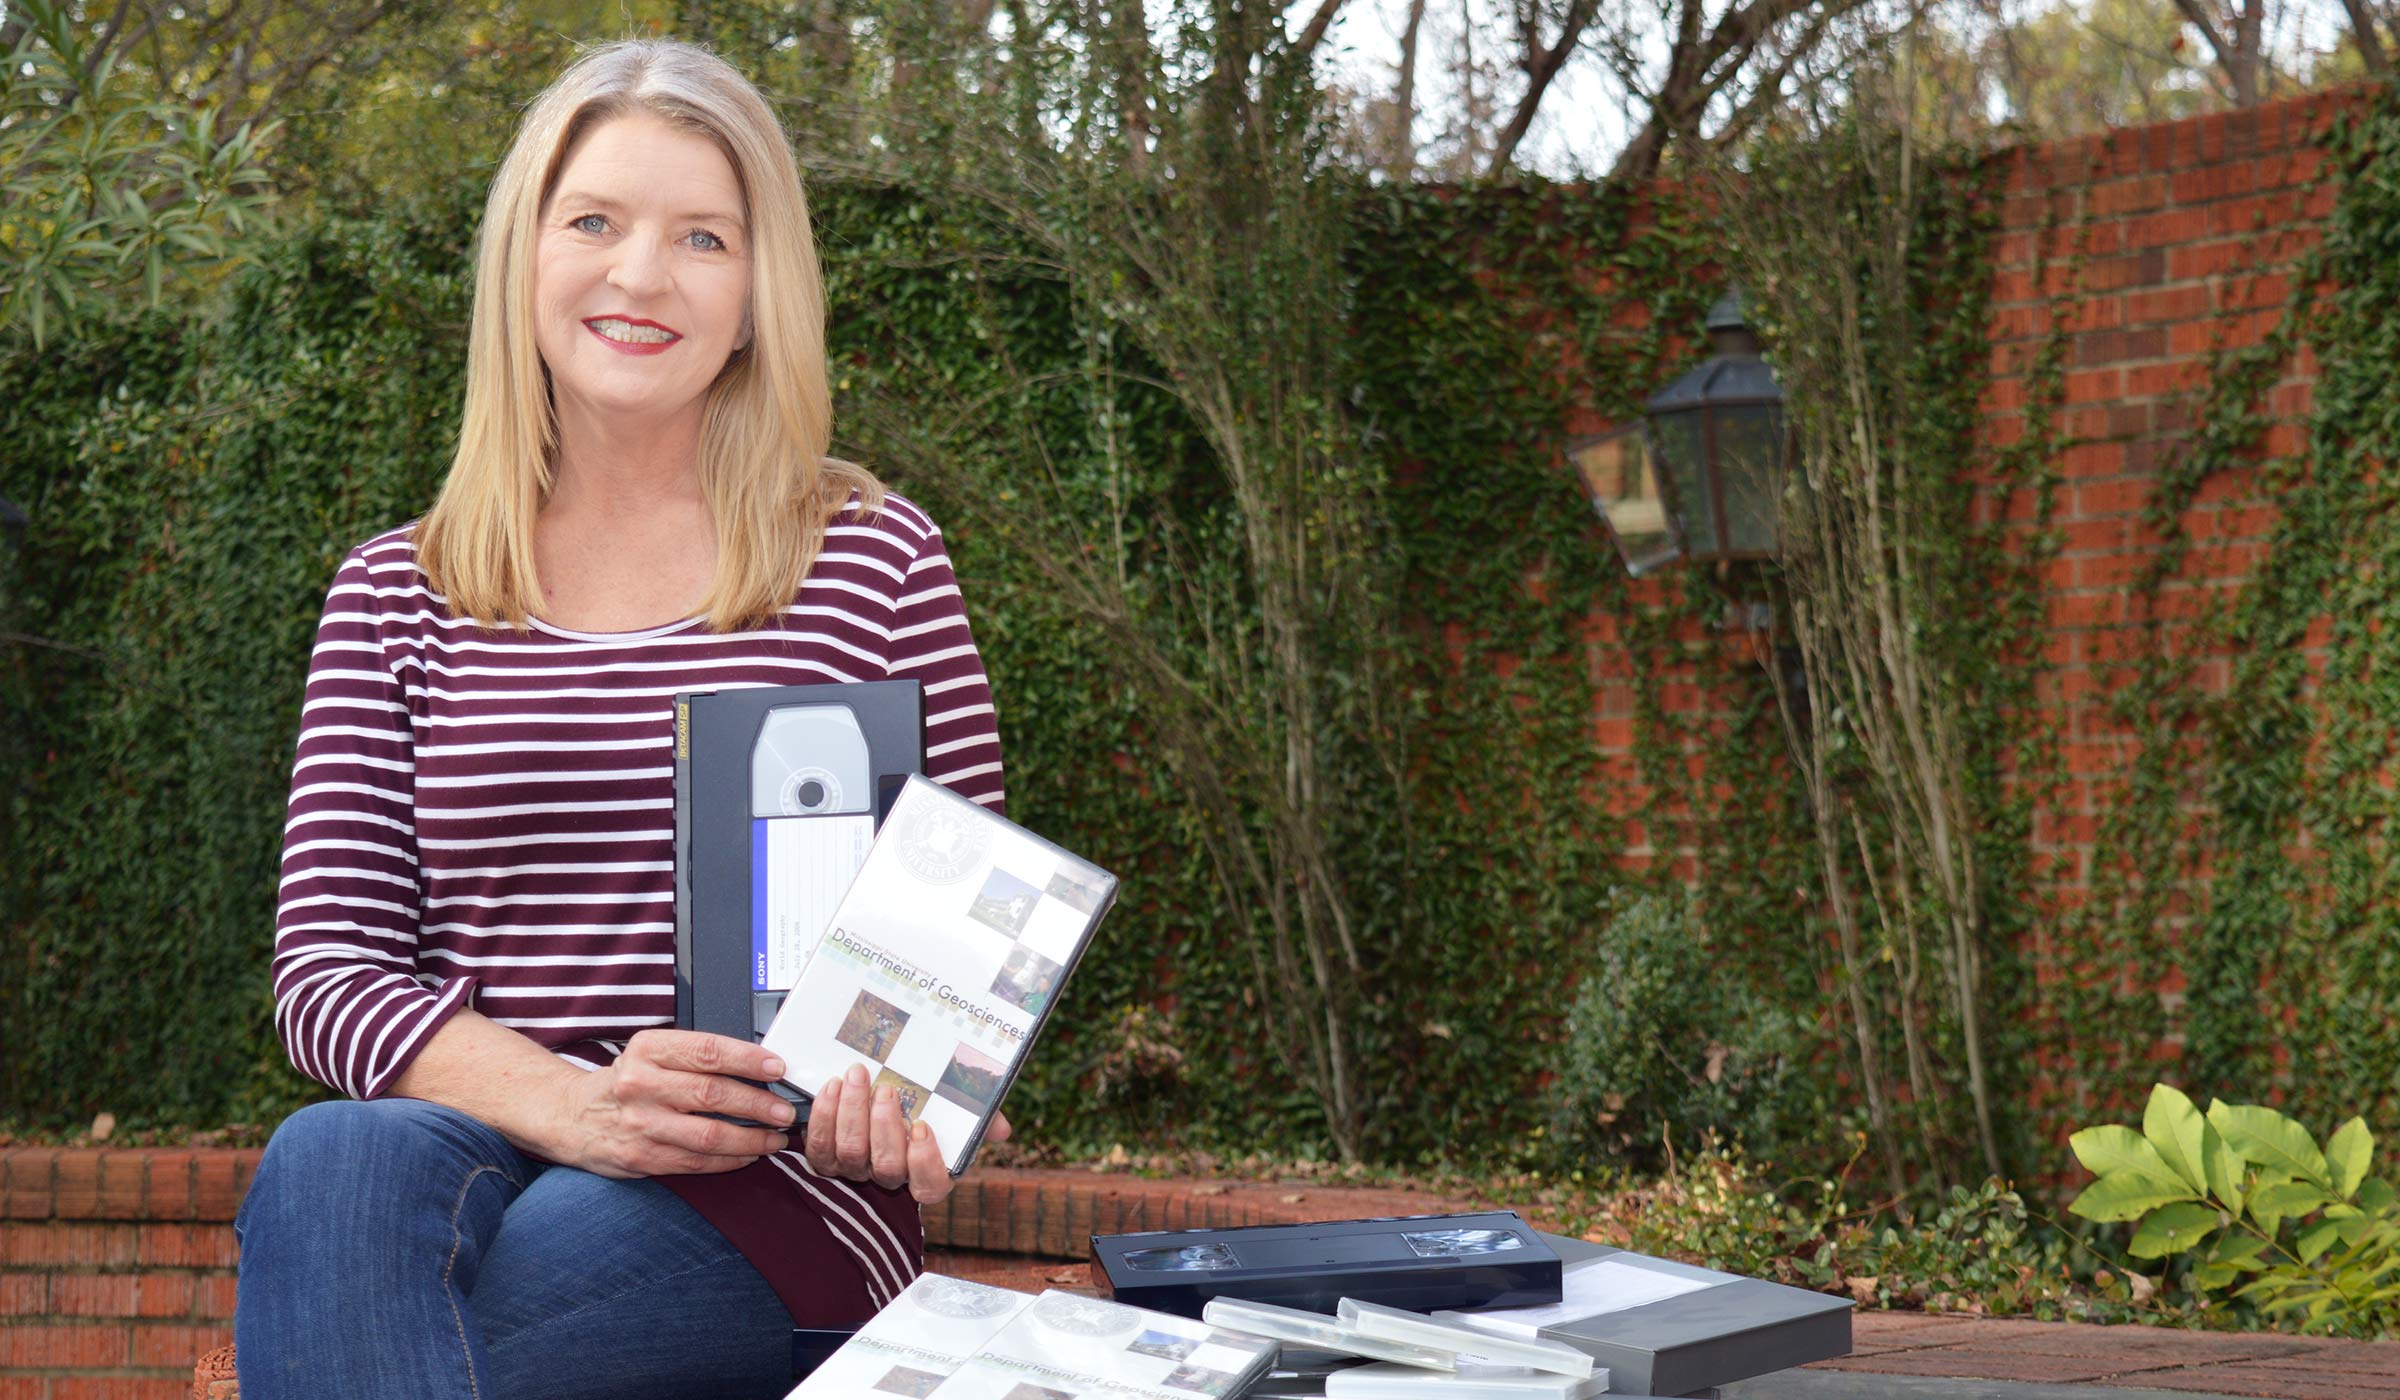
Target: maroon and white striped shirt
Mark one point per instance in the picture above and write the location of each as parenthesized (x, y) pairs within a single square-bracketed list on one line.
[(487, 818)]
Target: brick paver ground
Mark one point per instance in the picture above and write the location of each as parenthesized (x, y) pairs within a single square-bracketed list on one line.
[(2138, 1358)]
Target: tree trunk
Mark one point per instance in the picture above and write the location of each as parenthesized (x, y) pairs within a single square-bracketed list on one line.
[(1402, 154)]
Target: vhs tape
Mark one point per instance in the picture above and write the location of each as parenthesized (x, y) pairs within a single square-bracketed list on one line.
[(1491, 1259), (778, 794)]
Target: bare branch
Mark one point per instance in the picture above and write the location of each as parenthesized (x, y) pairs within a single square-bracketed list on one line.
[(1541, 66), (1699, 69), (1318, 23)]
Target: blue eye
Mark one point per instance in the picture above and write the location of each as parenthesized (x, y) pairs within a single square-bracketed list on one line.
[(719, 243), (578, 224)]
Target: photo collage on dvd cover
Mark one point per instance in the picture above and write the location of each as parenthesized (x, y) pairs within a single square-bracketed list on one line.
[(984, 923), (1108, 1346)]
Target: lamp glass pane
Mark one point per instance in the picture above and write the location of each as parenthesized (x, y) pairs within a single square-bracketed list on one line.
[(1616, 473), (1750, 475), (1683, 467)]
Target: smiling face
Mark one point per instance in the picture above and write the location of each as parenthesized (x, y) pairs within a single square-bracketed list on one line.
[(641, 273)]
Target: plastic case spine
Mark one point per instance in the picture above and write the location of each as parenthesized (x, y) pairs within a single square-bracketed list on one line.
[(1472, 1382), (1399, 1325), (683, 859)]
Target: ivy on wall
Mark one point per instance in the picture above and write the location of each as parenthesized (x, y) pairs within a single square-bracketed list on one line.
[(193, 481), (2251, 844)]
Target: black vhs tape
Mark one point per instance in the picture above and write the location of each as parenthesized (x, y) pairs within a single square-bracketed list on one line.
[(778, 792), (1419, 1262)]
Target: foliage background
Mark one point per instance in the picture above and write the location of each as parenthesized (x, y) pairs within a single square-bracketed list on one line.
[(193, 474)]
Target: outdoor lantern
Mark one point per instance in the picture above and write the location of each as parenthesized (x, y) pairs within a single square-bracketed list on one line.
[(1700, 477)]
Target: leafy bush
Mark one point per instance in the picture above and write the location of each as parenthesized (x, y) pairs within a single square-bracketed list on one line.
[(2288, 1227), (1662, 1047), (1978, 1250)]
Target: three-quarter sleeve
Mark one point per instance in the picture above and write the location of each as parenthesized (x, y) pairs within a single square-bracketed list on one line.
[(350, 1006), (932, 643)]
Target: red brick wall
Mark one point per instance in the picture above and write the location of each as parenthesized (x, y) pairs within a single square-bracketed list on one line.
[(2185, 231), (117, 1266), (116, 1269), (2173, 239)]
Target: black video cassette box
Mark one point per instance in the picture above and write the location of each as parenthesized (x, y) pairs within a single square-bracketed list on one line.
[(1420, 1262)]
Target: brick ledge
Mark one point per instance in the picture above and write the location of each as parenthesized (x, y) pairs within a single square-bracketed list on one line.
[(1041, 1212)]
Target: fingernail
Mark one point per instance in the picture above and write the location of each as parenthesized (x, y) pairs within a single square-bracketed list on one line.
[(858, 1074), (781, 1142), (884, 1094), (830, 1085), (773, 1067), (785, 1113)]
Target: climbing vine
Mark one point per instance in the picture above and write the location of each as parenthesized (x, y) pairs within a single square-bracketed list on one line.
[(2250, 843), (192, 477)]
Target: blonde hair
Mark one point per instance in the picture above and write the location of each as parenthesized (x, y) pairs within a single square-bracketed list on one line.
[(768, 419)]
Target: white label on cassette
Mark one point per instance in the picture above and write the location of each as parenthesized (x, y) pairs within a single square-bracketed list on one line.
[(799, 869)]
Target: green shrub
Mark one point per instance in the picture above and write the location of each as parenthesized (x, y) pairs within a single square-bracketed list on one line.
[(2266, 1218), (1663, 1046)]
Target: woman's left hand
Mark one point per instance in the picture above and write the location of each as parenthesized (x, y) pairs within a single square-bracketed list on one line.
[(857, 1131)]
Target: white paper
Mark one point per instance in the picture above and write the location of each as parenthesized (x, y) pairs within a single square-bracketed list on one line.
[(810, 862), (1586, 1289)]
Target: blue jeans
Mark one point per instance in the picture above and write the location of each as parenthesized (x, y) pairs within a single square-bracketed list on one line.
[(402, 1249)]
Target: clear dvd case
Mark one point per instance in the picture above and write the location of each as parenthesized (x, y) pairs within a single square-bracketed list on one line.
[(1315, 1330), (1472, 1381), (1399, 1325)]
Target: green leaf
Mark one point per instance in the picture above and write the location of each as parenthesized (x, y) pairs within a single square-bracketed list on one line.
[(2174, 1127), (2223, 1166), (2114, 1150), (2235, 1245), (2270, 1206), (2375, 1194), (2349, 1152), (2268, 1139), (2127, 1196), (2316, 1239), (2172, 1230)]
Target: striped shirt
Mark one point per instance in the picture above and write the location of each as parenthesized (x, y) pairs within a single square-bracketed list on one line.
[(487, 818)]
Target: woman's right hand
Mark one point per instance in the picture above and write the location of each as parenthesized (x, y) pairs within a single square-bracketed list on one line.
[(642, 1115)]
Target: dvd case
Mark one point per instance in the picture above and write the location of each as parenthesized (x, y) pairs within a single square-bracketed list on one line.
[(917, 1340), (1664, 1328), (1394, 1324), (1473, 1381), (1320, 1333), (942, 963), (1066, 1347)]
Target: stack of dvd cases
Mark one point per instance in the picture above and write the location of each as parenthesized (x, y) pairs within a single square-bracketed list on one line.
[(1397, 1355)]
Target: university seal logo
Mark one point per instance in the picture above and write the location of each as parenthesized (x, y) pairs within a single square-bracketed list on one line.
[(940, 846)]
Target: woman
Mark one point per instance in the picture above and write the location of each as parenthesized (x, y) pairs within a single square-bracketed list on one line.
[(522, 1197)]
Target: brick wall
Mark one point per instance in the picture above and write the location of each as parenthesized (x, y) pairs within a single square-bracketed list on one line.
[(117, 1266), (2173, 238), (2184, 230), (116, 1269)]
